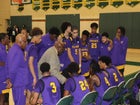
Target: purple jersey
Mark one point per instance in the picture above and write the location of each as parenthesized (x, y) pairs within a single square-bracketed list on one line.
[(64, 60), (118, 53), (31, 51), (104, 85), (74, 45), (17, 66), (44, 45), (85, 62), (94, 43), (104, 49), (75, 85), (114, 76), (49, 88), (3, 55)]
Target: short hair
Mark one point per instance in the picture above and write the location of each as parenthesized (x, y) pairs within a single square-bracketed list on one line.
[(94, 67), (64, 26), (2, 36), (106, 60), (36, 31), (94, 25), (73, 67), (54, 30), (105, 34), (74, 28), (45, 67), (86, 33), (25, 29), (122, 30)]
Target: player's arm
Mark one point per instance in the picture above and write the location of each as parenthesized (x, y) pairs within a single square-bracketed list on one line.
[(80, 58), (110, 44), (70, 55), (31, 67), (69, 86), (35, 93), (34, 98)]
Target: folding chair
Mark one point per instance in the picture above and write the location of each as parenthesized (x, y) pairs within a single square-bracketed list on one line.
[(67, 100), (89, 98), (128, 85), (109, 94)]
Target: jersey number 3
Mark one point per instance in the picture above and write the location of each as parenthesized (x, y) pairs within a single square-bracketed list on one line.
[(54, 88)]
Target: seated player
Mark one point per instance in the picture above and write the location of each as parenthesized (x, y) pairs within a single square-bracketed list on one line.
[(77, 85), (48, 86), (114, 76), (105, 45), (74, 50), (99, 81), (85, 54)]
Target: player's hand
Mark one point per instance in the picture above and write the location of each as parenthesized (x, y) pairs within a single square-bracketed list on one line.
[(9, 84), (39, 101), (109, 48), (34, 82)]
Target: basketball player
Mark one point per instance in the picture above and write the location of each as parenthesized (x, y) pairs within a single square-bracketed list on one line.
[(77, 85), (48, 86)]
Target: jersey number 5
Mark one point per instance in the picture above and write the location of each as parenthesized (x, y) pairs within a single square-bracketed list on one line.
[(54, 88), (83, 85), (93, 45)]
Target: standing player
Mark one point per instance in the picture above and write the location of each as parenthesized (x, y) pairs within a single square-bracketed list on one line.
[(77, 85), (85, 53), (32, 57), (114, 76), (99, 82), (48, 86), (94, 42), (120, 44), (16, 65), (105, 45), (74, 50), (64, 37), (4, 40), (48, 40), (25, 32)]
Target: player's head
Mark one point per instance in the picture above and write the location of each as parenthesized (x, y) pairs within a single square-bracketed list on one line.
[(73, 68), (105, 37), (75, 31), (21, 40), (85, 35), (120, 31), (4, 38), (54, 33), (104, 62), (94, 67), (94, 27), (25, 32), (59, 46), (66, 27), (44, 67), (36, 34)]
